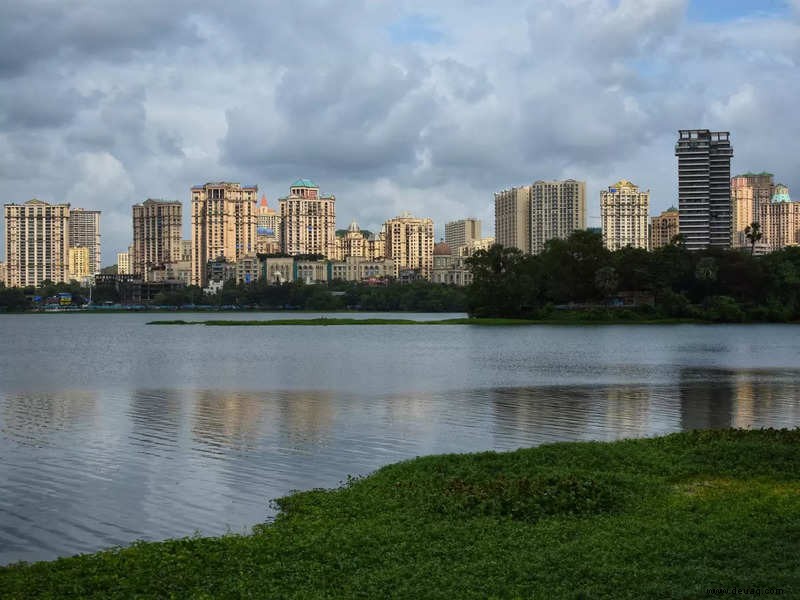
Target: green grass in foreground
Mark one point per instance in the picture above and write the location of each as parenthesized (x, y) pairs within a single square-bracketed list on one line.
[(667, 517), (461, 321)]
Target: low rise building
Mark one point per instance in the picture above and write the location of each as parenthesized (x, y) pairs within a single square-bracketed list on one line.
[(450, 268)]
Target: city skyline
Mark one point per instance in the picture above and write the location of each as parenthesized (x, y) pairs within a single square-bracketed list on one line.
[(106, 113)]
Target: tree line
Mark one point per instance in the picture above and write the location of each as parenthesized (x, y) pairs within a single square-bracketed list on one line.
[(715, 285)]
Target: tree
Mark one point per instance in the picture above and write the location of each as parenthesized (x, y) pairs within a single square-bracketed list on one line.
[(753, 234)]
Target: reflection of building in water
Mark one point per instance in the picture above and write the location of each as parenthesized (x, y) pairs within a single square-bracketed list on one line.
[(765, 400), (156, 410), (306, 415), (628, 411), (706, 398), (538, 415), (227, 418), (32, 417)]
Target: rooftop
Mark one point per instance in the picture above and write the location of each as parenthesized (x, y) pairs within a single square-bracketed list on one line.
[(305, 183)]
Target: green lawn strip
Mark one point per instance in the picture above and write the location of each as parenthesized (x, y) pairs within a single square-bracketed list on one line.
[(666, 517), (459, 321)]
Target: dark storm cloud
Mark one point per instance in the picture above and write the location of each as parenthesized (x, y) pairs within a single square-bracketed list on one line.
[(37, 30)]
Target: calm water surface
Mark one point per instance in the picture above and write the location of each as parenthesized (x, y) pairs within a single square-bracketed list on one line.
[(112, 430)]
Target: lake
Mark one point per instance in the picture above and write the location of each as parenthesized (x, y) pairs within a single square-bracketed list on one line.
[(112, 430)]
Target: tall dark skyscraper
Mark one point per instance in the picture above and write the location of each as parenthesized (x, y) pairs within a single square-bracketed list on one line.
[(704, 187)]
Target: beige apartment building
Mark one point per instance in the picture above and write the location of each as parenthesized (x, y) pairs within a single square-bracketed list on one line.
[(79, 264), (223, 224), (268, 229), (557, 209), (124, 263), (308, 220), (359, 268), (780, 220), (84, 232), (512, 217), (352, 243), (450, 267), (157, 229), (624, 214), (37, 243), (749, 192), (664, 228), (2, 273), (409, 243), (462, 233)]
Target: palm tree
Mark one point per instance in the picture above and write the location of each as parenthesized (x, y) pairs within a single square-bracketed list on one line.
[(753, 233)]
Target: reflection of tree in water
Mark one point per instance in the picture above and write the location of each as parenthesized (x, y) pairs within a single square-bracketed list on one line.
[(30, 418), (231, 419)]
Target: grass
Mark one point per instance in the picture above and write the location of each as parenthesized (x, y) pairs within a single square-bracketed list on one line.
[(666, 517), (459, 321)]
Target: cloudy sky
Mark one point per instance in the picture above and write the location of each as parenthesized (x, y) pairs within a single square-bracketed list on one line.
[(390, 105)]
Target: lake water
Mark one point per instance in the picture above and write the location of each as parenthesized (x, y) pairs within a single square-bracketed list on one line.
[(112, 430)]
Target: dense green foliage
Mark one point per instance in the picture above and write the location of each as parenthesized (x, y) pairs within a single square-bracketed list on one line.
[(420, 296), (667, 517), (712, 285)]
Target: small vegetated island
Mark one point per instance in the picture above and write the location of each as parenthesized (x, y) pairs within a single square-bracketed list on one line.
[(681, 516)]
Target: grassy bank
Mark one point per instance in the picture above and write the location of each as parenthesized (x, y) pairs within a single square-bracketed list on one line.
[(464, 321), (668, 517)]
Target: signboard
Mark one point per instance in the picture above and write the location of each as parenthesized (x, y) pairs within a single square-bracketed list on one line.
[(64, 298), (265, 231)]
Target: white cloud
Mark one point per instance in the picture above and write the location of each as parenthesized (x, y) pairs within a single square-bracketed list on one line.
[(147, 99)]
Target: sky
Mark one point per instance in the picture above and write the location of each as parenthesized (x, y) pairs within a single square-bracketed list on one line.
[(390, 105)]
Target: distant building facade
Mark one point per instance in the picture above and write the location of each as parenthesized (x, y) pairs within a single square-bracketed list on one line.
[(223, 224), (124, 263), (624, 213), (268, 229), (157, 232), (37, 243), (308, 220), (558, 208), (664, 228), (704, 187), (79, 264), (449, 267), (2, 273), (84, 232), (461, 233), (512, 217), (780, 220), (409, 243), (749, 192)]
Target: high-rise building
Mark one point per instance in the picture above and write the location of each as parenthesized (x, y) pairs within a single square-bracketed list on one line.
[(664, 228), (37, 243), (79, 263), (624, 212), (223, 224), (84, 232), (186, 251), (409, 243), (704, 187), (352, 243), (2, 273), (124, 263), (557, 209), (780, 220), (157, 229), (512, 217), (461, 233), (308, 220), (749, 192), (268, 229)]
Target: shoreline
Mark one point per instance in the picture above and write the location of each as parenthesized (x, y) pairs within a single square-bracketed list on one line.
[(481, 322), (631, 518)]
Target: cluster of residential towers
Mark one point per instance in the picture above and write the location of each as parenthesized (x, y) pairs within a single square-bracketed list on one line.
[(236, 234)]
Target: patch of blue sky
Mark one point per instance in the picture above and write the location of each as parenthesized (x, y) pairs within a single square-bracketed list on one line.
[(416, 28), (717, 11)]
